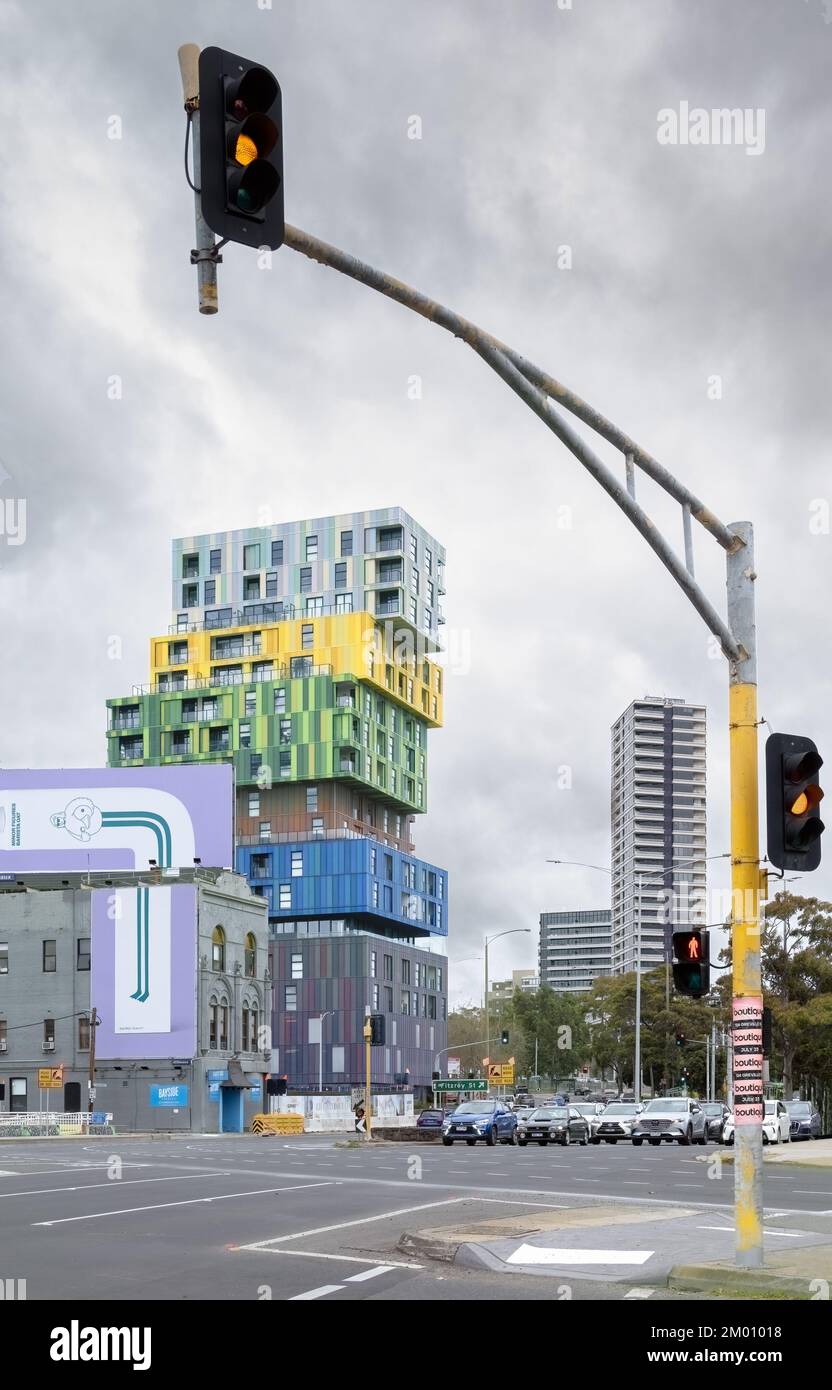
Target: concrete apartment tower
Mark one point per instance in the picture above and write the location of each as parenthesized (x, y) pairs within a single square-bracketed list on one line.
[(658, 827)]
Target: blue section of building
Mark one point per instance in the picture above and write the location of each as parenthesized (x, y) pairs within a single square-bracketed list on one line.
[(339, 878)]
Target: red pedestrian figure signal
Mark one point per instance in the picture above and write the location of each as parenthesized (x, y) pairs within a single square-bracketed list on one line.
[(691, 969)]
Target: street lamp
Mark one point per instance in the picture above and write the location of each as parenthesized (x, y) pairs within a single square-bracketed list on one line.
[(511, 931)]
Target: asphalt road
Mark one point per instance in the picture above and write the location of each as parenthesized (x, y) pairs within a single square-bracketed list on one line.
[(249, 1218)]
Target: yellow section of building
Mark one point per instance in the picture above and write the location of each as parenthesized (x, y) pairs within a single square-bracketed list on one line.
[(388, 656)]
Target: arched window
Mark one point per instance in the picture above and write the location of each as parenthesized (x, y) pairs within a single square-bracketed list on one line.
[(251, 955), (218, 949), (213, 1022)]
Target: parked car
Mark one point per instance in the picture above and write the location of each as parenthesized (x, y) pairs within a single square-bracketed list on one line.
[(430, 1119), (592, 1111), (555, 1124), (523, 1112), (490, 1120), (674, 1118), (804, 1120), (616, 1122), (776, 1124), (715, 1113)]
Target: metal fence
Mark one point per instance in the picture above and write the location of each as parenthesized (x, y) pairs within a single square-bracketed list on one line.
[(55, 1124)]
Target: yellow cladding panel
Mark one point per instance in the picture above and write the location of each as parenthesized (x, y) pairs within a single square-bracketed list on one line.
[(351, 643)]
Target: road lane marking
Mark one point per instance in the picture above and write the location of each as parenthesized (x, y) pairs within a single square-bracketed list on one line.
[(573, 1255), (369, 1274), (767, 1231), (342, 1225), (325, 1255), (187, 1202), (640, 1293), (112, 1183), (315, 1293)]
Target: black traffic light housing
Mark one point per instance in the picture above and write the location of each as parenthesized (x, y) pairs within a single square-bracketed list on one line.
[(691, 963), (504, 1037), (793, 795), (377, 1033), (680, 1039), (240, 149)]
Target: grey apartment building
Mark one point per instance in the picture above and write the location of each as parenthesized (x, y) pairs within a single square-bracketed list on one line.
[(575, 949), (658, 827)]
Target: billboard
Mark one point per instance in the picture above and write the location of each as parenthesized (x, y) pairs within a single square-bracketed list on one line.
[(63, 820), (144, 977)]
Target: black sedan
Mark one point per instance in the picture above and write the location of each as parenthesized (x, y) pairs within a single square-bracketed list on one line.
[(804, 1120), (554, 1124)]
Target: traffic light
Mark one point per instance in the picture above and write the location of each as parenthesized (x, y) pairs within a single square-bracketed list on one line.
[(377, 1030), (691, 963), (240, 149), (276, 1085), (504, 1037), (793, 796), (680, 1039)]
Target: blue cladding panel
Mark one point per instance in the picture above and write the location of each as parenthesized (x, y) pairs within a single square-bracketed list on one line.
[(344, 877)]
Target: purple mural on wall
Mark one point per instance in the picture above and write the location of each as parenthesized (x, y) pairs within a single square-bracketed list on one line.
[(65, 819), (144, 978)]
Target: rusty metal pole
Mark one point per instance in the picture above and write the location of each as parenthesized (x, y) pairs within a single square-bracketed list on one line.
[(204, 256)]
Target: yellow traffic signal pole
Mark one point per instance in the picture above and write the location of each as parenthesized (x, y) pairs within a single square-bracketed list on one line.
[(746, 883), (548, 398), (368, 1056)]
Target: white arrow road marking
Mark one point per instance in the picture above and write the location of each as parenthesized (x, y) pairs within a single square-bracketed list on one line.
[(543, 1255)]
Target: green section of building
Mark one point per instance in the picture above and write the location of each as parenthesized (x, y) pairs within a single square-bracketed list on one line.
[(299, 729)]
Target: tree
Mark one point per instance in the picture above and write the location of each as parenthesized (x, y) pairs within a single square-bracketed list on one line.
[(558, 1023)]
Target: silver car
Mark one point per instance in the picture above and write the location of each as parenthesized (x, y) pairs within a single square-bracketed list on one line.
[(676, 1119), (592, 1111)]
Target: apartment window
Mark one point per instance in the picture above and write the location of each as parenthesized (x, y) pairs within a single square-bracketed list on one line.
[(213, 1021), (311, 547), (210, 591), (340, 576), (343, 603), (337, 1064), (285, 900), (254, 804), (388, 898), (405, 972), (428, 560), (245, 1030), (83, 1034), (190, 566), (277, 552), (4, 957), (251, 586), (280, 700), (306, 579), (297, 863), (346, 542), (245, 735), (218, 949), (215, 561), (296, 966), (311, 798), (290, 1001), (82, 953), (218, 617), (50, 956), (224, 1027), (314, 607), (317, 825), (414, 611), (271, 585), (405, 1008), (251, 557), (375, 895), (388, 866), (307, 635), (417, 975), (373, 964), (414, 550), (265, 831), (49, 1033), (375, 997), (251, 955), (285, 731), (180, 742), (218, 741), (388, 999), (388, 967), (372, 861), (285, 763)]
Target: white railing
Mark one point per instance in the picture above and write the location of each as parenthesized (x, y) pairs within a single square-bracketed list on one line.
[(56, 1124)]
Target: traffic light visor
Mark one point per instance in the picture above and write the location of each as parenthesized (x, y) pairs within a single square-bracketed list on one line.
[(799, 766), (254, 91)]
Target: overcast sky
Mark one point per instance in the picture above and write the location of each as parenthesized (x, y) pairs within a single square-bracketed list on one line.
[(539, 131)]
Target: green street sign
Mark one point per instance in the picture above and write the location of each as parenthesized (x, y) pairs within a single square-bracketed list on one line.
[(449, 1084)]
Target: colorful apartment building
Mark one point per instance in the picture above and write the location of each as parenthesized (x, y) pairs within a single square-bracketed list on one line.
[(304, 654)]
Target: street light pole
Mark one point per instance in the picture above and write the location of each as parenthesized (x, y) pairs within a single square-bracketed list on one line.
[(329, 1013), (487, 941)]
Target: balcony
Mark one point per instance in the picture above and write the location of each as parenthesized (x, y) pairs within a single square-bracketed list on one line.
[(390, 539), (122, 722), (387, 605), (225, 649)]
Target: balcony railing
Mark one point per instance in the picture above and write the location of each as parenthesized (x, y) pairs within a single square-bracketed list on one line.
[(233, 649), (131, 721), (290, 837), (387, 608), (280, 673), (263, 615)]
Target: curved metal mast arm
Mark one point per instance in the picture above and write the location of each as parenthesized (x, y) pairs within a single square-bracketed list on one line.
[(535, 387)]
